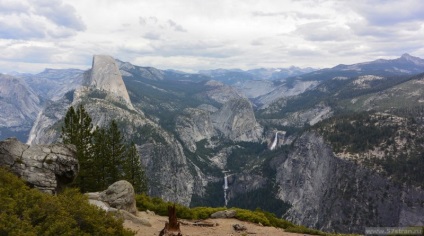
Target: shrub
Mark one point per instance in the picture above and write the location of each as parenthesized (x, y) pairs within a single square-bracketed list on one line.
[(160, 207), (251, 216), (25, 211)]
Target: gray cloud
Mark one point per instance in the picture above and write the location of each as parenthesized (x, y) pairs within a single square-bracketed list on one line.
[(256, 42), (12, 6), (389, 13), (176, 26), (25, 28), (196, 48), (265, 14), (38, 19), (29, 53), (153, 19), (323, 31), (142, 20), (396, 31), (59, 13), (151, 36)]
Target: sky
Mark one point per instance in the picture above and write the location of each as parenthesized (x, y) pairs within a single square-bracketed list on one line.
[(192, 35)]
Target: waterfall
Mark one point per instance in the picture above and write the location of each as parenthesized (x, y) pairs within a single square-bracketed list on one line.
[(274, 144), (225, 189)]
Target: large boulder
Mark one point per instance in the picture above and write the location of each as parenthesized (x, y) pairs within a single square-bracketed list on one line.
[(46, 167), (120, 195), (119, 199)]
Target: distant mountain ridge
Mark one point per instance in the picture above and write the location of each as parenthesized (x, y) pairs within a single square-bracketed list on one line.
[(404, 65), (232, 76)]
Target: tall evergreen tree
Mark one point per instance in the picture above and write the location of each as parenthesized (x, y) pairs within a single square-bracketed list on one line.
[(115, 142), (69, 130), (77, 130), (101, 158), (134, 170)]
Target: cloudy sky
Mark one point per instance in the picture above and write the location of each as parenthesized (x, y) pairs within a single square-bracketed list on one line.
[(190, 35)]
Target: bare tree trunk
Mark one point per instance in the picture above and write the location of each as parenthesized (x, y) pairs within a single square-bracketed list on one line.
[(173, 227)]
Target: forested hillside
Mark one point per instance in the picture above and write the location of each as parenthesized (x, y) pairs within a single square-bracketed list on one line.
[(391, 143)]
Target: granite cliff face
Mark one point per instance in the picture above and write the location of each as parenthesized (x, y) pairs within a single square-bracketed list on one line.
[(236, 121), (19, 106), (46, 167), (193, 126), (105, 76), (332, 194)]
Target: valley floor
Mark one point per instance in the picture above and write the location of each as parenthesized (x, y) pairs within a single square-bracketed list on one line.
[(224, 228)]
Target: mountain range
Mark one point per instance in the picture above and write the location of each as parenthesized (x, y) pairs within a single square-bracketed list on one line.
[(319, 147)]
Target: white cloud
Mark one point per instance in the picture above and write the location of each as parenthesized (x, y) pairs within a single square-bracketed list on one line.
[(192, 35)]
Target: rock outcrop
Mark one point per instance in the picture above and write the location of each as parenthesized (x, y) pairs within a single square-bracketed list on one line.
[(118, 198), (120, 195), (105, 76), (46, 167), (332, 194), (237, 121), (193, 126)]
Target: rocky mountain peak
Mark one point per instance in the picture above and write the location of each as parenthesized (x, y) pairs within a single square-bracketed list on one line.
[(105, 75), (414, 60)]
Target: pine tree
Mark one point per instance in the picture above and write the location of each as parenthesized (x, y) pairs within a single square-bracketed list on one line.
[(77, 130), (101, 159), (69, 130), (117, 150), (134, 170)]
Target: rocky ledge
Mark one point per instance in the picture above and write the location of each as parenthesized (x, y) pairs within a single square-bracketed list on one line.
[(45, 167)]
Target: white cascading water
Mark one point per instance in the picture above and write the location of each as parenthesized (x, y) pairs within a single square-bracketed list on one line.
[(225, 188), (274, 144)]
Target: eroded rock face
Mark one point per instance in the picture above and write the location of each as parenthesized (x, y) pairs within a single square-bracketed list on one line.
[(19, 106), (105, 75), (237, 121), (193, 126), (46, 167), (332, 194)]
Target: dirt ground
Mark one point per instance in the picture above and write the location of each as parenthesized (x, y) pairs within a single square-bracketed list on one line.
[(224, 228)]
